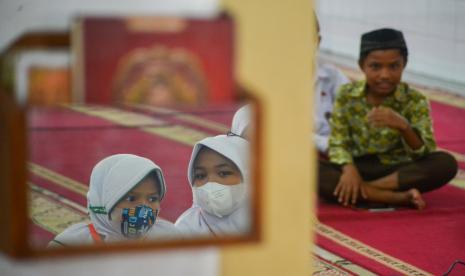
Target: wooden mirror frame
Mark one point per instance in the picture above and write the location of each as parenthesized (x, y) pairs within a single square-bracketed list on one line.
[(14, 240)]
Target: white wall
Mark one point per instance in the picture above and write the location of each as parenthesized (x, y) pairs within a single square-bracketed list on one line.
[(434, 30), (19, 16)]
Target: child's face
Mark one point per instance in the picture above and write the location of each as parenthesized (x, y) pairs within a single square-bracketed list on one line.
[(383, 71), (211, 166), (146, 193)]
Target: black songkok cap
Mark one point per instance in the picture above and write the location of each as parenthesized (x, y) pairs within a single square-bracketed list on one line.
[(383, 39)]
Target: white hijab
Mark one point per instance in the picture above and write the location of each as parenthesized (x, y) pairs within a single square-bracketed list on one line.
[(195, 221), (111, 179), (241, 120)]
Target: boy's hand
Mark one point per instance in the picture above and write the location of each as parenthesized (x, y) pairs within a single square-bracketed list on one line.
[(386, 117), (349, 186)]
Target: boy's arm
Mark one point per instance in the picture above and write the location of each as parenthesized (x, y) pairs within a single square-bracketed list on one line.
[(421, 124)]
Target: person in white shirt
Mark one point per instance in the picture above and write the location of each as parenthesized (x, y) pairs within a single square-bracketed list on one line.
[(327, 83)]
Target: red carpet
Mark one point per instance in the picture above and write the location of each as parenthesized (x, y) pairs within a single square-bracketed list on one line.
[(431, 239), (449, 128)]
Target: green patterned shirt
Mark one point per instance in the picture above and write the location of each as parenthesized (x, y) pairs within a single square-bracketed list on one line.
[(352, 136)]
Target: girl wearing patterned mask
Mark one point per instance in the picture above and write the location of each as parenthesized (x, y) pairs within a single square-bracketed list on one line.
[(219, 175), (124, 198)]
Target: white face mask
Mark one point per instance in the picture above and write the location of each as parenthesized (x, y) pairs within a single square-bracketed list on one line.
[(218, 199)]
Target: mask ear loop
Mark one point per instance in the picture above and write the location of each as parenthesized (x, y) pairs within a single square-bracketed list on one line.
[(232, 134), (155, 215)]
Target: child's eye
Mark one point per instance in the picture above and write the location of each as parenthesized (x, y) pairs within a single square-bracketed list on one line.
[(225, 173), (395, 66), (154, 199), (374, 66), (130, 198), (199, 176)]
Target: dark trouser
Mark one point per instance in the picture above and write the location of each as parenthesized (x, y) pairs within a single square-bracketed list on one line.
[(427, 173)]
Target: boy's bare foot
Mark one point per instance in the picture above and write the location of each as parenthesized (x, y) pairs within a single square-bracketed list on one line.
[(411, 198), (416, 200)]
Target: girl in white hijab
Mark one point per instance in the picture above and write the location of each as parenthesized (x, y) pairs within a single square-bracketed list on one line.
[(241, 121), (124, 198), (219, 176)]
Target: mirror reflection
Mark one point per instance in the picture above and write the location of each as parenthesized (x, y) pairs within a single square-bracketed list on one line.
[(112, 173)]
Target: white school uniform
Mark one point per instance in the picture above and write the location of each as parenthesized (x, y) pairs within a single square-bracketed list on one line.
[(328, 81)]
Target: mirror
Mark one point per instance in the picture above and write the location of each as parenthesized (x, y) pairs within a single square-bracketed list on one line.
[(151, 102), (66, 142)]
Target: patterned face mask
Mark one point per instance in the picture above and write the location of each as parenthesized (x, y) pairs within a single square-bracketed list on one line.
[(137, 221)]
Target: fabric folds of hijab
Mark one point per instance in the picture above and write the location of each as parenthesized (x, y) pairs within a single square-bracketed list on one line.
[(196, 221), (241, 120), (111, 179)]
